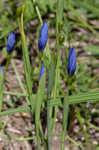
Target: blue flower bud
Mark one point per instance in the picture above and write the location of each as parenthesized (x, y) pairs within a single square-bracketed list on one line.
[(11, 42), (43, 38), (42, 71), (2, 70), (71, 62)]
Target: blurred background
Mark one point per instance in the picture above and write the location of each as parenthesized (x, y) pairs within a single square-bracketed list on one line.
[(80, 30)]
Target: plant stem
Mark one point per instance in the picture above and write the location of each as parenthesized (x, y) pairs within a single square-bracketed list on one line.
[(27, 67), (2, 80), (38, 12), (48, 125), (65, 119)]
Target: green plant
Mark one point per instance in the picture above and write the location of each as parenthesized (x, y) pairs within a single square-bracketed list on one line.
[(54, 97)]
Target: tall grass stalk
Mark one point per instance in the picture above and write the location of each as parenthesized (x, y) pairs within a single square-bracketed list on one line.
[(27, 68), (2, 78), (47, 53), (59, 21), (65, 119), (37, 11), (48, 126), (82, 98), (39, 100), (39, 96)]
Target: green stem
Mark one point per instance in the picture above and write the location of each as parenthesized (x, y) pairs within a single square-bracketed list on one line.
[(48, 126), (27, 66), (2, 80), (38, 13), (65, 119), (15, 93), (91, 125), (13, 111), (59, 18)]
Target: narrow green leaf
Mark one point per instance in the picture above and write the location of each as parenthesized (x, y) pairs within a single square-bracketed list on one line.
[(92, 48), (27, 66), (51, 77), (65, 119), (2, 79), (48, 126), (13, 111), (39, 98), (81, 98)]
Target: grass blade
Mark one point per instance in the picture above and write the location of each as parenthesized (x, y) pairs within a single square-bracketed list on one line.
[(27, 67), (2, 79), (65, 119), (13, 111), (48, 126), (39, 99), (81, 98)]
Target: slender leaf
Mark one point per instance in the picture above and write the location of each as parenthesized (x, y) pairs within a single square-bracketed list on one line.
[(39, 99)]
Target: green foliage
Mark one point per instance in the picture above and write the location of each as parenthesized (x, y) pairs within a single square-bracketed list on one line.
[(70, 17), (39, 100), (93, 49)]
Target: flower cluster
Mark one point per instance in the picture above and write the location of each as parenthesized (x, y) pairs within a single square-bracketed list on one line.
[(43, 38)]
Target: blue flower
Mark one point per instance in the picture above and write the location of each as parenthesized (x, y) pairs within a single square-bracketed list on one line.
[(11, 42), (42, 71), (71, 62), (2, 70), (43, 38)]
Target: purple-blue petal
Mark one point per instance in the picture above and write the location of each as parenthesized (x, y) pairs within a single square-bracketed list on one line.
[(2, 70), (71, 68), (42, 71), (11, 42), (43, 37)]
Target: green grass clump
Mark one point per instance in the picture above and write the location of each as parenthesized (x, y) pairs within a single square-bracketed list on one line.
[(78, 90)]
